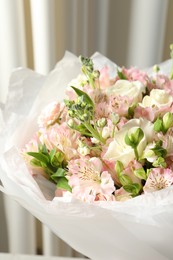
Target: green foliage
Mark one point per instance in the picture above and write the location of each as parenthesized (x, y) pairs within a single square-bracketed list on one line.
[(121, 75), (133, 188), (85, 96), (63, 184), (53, 163), (140, 173), (125, 179), (160, 163), (163, 124), (159, 150), (119, 167), (131, 111)]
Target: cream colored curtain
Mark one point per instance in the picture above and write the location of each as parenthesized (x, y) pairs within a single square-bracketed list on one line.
[(36, 33)]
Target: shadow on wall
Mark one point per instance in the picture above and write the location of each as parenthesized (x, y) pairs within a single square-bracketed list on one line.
[(3, 227)]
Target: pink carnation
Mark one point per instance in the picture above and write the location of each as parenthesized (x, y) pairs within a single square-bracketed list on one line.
[(50, 114), (134, 74)]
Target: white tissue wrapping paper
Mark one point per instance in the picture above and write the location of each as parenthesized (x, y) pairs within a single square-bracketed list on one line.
[(138, 229)]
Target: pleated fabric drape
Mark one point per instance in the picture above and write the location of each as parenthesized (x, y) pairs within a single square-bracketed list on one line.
[(36, 33)]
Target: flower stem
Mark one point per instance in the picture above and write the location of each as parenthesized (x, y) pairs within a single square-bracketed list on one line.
[(136, 153), (94, 132)]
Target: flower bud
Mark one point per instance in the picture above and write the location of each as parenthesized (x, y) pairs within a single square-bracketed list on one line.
[(96, 74), (134, 136), (101, 122), (105, 132), (115, 118), (84, 150), (156, 68), (167, 120), (94, 140), (70, 122)]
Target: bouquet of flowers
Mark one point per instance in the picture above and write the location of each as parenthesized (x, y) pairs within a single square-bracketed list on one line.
[(94, 160)]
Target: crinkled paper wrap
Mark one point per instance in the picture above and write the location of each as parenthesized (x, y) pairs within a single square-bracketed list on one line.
[(137, 229)]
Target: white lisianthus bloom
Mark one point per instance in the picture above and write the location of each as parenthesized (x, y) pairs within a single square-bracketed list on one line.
[(132, 89), (119, 150), (158, 98)]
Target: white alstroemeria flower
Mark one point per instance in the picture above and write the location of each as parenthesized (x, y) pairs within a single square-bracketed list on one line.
[(132, 89), (157, 98), (119, 150)]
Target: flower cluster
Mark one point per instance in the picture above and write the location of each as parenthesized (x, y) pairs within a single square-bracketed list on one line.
[(111, 139)]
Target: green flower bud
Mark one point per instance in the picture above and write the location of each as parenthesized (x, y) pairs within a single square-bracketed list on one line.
[(101, 122), (84, 150), (70, 122), (158, 125), (96, 74), (156, 68), (167, 120), (134, 136), (115, 118)]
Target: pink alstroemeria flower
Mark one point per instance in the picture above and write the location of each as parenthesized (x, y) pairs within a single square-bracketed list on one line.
[(65, 139), (158, 179), (88, 181)]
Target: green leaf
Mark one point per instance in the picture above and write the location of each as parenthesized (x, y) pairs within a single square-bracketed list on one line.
[(140, 173), (39, 156), (159, 150), (63, 184), (125, 179), (121, 75), (35, 162), (119, 167), (58, 174), (160, 162), (85, 95), (131, 111), (44, 149), (59, 157), (158, 125), (82, 129), (134, 188), (52, 154)]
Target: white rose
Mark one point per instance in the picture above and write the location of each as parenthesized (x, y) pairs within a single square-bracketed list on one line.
[(132, 89), (158, 98), (119, 150)]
